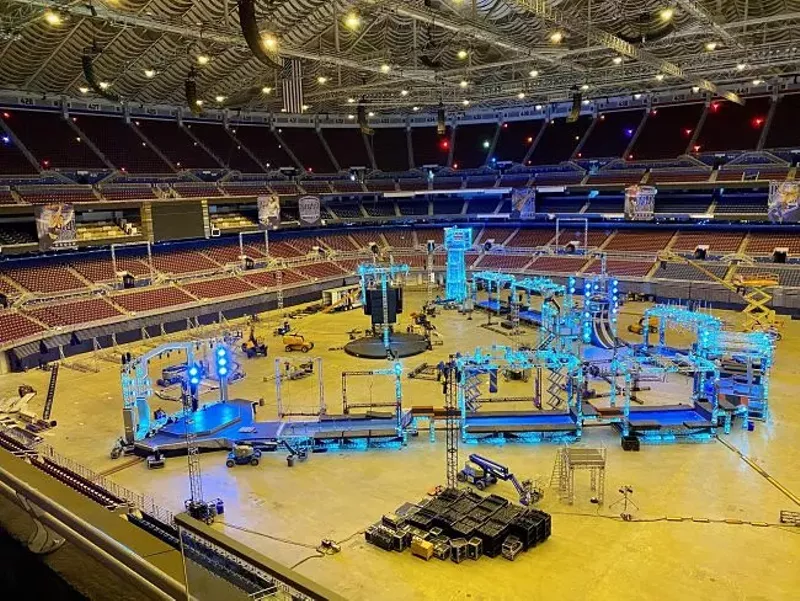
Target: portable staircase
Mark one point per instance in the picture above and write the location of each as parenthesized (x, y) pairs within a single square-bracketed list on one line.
[(559, 479), (51, 393), (555, 388)]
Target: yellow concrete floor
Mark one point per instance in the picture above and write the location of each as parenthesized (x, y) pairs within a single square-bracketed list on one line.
[(592, 554)]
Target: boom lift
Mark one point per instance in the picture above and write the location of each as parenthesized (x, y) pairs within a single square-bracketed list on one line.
[(483, 472)]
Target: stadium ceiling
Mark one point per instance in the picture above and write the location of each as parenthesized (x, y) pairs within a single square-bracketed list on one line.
[(402, 54)]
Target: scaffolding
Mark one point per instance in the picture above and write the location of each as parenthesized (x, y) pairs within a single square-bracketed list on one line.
[(457, 241), (572, 459), (396, 372), (281, 364)]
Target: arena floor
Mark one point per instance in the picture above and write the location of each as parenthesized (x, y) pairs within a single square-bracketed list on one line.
[(592, 553)]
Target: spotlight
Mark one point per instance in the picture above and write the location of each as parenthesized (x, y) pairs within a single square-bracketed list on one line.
[(757, 82), (556, 37), (741, 67), (465, 102), (370, 114), (52, 18), (305, 107), (104, 85), (696, 89), (415, 108), (533, 73), (266, 90), (538, 107), (351, 101), (521, 95), (203, 59), (462, 54), (351, 116), (617, 60), (149, 73), (637, 96), (322, 80), (711, 46), (270, 41), (660, 76), (667, 14), (198, 102), (486, 144), (585, 87), (385, 68), (352, 21), (403, 92), (220, 98), (463, 83), (83, 90)]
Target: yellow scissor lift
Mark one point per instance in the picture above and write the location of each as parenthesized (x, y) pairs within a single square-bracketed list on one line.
[(753, 289)]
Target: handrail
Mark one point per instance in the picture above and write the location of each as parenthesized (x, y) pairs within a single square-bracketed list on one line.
[(154, 583)]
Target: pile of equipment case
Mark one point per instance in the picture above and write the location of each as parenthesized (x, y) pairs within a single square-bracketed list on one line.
[(459, 525)]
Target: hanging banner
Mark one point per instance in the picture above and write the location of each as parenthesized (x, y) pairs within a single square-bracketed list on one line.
[(269, 211), (309, 209), (55, 226)]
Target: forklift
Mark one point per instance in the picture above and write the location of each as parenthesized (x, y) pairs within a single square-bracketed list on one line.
[(652, 326), (482, 473)]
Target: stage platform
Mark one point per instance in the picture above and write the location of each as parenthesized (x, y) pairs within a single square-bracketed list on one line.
[(219, 426), (522, 426), (669, 422), (402, 345)]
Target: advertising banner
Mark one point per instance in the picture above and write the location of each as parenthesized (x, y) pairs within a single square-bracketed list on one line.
[(309, 208), (269, 211), (55, 226)]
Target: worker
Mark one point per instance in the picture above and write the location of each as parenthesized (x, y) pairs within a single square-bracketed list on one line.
[(440, 367)]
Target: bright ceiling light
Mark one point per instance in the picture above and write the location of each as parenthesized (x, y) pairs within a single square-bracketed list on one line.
[(266, 90), (617, 60), (465, 102), (270, 41), (220, 98), (637, 96), (149, 73), (415, 108), (666, 14), (370, 114), (351, 101), (198, 102), (660, 76), (463, 83), (462, 54), (521, 95), (104, 85), (52, 18), (585, 102), (203, 59), (695, 89), (351, 116), (533, 73), (585, 87), (352, 20), (322, 80), (556, 37), (538, 107), (711, 46), (305, 107), (83, 90), (403, 92), (757, 82), (385, 68), (741, 67)]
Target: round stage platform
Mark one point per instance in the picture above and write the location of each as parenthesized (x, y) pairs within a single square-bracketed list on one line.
[(402, 345)]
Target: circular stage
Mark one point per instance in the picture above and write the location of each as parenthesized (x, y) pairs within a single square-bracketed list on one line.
[(402, 345)]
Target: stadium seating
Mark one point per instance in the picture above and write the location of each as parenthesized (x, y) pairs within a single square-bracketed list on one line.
[(225, 147), (498, 234), (481, 206), (245, 188), (514, 180), (741, 203), (46, 279), (413, 207), (514, 140), (232, 220), (74, 312), (100, 268), (453, 206), (320, 271), (566, 265), (182, 261), (640, 241), (617, 268), (17, 233), (503, 262), (400, 238), (196, 189), (317, 186), (595, 237), (260, 140), (14, 326), (531, 238), (347, 146), (347, 186), (52, 140), (561, 203), (475, 182), (102, 230), (378, 208), (606, 203), (383, 184), (141, 301), (667, 176), (284, 187), (762, 243), (786, 276), (218, 288), (719, 243), (680, 271), (337, 242), (472, 144), (114, 191), (737, 173), (306, 145), (559, 178), (412, 184), (347, 210), (390, 148), (269, 279), (447, 182), (284, 250), (171, 139), (682, 203), (364, 238), (12, 159), (57, 193), (616, 177)]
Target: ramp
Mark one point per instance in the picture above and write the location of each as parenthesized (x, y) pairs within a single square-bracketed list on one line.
[(601, 331)]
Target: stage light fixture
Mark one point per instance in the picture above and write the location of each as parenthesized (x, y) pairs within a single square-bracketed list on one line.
[(352, 20), (403, 92), (351, 101), (104, 85), (585, 87), (757, 82), (266, 90), (659, 76), (666, 14), (52, 18), (149, 73), (198, 102), (322, 80), (637, 96), (711, 46), (617, 60), (556, 37), (465, 102), (220, 98), (695, 89), (521, 95), (415, 108), (305, 107), (538, 107), (351, 116), (462, 54), (463, 83), (83, 90), (262, 45), (486, 143), (741, 66), (370, 114), (203, 59), (533, 73), (385, 68)]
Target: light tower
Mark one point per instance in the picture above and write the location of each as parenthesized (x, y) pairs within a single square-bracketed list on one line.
[(457, 241)]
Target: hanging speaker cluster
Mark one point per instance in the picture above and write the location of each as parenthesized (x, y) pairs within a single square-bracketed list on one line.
[(249, 24), (441, 121), (190, 89), (87, 61), (575, 110), (361, 113)]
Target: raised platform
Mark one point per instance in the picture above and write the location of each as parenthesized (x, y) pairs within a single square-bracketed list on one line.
[(219, 426), (524, 426), (401, 344)]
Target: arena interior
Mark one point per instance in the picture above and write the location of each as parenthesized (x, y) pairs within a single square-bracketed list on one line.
[(435, 299)]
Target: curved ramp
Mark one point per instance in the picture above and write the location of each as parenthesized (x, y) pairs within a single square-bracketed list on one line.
[(601, 331)]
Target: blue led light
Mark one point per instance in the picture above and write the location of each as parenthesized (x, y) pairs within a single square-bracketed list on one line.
[(194, 381), (193, 371), (221, 352), (223, 371), (222, 362)]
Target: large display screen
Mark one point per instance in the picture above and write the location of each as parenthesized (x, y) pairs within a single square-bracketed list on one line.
[(176, 220)]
